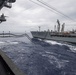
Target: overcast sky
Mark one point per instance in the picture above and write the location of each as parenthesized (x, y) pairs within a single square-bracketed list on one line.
[(27, 16)]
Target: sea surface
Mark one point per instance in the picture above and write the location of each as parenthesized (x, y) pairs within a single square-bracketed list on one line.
[(40, 57)]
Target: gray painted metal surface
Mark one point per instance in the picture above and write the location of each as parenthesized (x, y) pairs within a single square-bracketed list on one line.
[(7, 67), (47, 35)]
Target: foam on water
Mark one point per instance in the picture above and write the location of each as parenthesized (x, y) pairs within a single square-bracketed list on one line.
[(11, 42), (8, 43), (72, 47), (53, 42), (54, 60)]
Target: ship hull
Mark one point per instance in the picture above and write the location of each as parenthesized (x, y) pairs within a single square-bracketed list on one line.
[(49, 36)]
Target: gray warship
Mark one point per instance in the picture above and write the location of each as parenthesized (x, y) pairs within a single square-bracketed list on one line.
[(58, 34)]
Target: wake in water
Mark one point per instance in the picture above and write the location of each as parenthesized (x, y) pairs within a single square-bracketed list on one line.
[(39, 57)]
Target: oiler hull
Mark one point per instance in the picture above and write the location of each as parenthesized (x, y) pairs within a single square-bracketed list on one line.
[(52, 36)]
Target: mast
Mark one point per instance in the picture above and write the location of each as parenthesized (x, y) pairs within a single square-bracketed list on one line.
[(63, 26), (55, 28), (39, 28), (58, 27)]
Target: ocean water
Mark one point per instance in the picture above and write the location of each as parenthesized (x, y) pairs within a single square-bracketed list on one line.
[(40, 57)]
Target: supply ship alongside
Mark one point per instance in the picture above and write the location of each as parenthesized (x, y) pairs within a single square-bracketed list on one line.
[(57, 35)]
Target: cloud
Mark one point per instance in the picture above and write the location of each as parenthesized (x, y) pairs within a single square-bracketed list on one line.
[(26, 15)]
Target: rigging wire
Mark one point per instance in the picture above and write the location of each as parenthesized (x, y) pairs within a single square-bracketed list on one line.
[(67, 17), (41, 5), (44, 3), (44, 7)]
